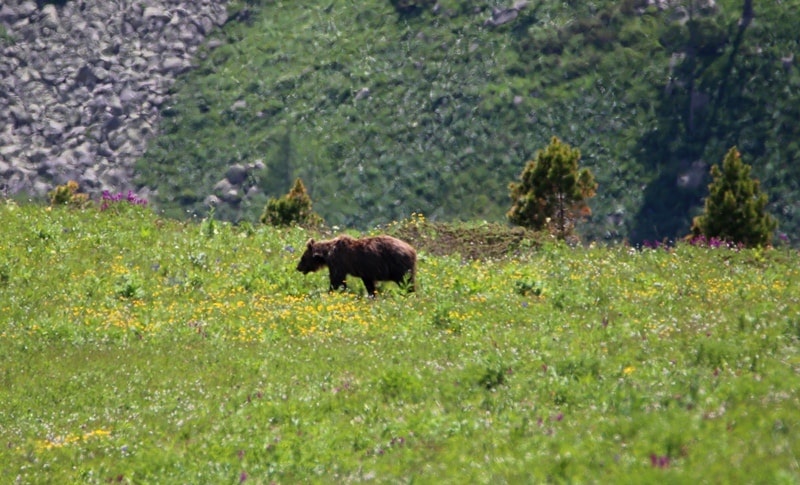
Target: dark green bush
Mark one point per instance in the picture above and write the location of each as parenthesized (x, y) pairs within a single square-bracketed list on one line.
[(552, 192), (293, 208), (411, 6), (735, 206)]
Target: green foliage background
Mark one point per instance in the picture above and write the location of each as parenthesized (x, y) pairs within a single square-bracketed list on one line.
[(383, 114)]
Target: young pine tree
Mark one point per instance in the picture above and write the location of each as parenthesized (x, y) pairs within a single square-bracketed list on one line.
[(292, 208), (552, 191), (69, 195), (735, 206)]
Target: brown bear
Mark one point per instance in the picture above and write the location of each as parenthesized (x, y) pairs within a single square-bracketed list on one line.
[(373, 259)]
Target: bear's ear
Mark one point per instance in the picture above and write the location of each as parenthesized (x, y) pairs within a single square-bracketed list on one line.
[(310, 243), (318, 250)]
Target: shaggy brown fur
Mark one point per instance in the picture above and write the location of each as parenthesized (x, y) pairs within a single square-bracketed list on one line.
[(373, 259)]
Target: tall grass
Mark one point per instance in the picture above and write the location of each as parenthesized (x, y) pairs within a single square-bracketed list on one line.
[(136, 349)]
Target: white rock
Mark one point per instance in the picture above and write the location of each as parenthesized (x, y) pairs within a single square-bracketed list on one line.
[(174, 65), (50, 16), (156, 13)]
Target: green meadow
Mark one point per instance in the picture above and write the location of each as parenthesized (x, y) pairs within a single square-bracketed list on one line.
[(139, 349)]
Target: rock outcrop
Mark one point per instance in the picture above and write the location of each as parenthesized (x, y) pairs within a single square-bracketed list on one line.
[(81, 84)]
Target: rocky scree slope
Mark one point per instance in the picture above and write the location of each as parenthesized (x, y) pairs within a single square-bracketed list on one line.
[(81, 84)]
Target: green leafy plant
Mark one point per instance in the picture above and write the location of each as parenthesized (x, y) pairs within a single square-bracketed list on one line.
[(396, 384), (493, 375), (445, 320), (209, 225), (526, 287), (5, 273), (292, 209), (735, 209), (5, 37), (129, 286), (552, 193)]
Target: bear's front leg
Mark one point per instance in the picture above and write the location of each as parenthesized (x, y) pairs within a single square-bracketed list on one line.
[(337, 280), (370, 286)]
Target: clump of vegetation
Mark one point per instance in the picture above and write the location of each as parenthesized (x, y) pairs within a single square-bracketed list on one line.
[(116, 202), (735, 209), (293, 208), (69, 195), (5, 37), (552, 193), (470, 240)]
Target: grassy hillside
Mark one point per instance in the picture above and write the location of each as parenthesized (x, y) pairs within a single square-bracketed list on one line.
[(385, 113), (137, 349)]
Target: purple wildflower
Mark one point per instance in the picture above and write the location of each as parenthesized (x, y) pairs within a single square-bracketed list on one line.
[(659, 461), (713, 242), (651, 244), (131, 198)]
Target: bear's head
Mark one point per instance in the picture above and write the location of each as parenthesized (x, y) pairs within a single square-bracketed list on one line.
[(314, 258)]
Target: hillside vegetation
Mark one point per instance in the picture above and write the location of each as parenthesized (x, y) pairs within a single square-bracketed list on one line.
[(436, 109), (138, 349)]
